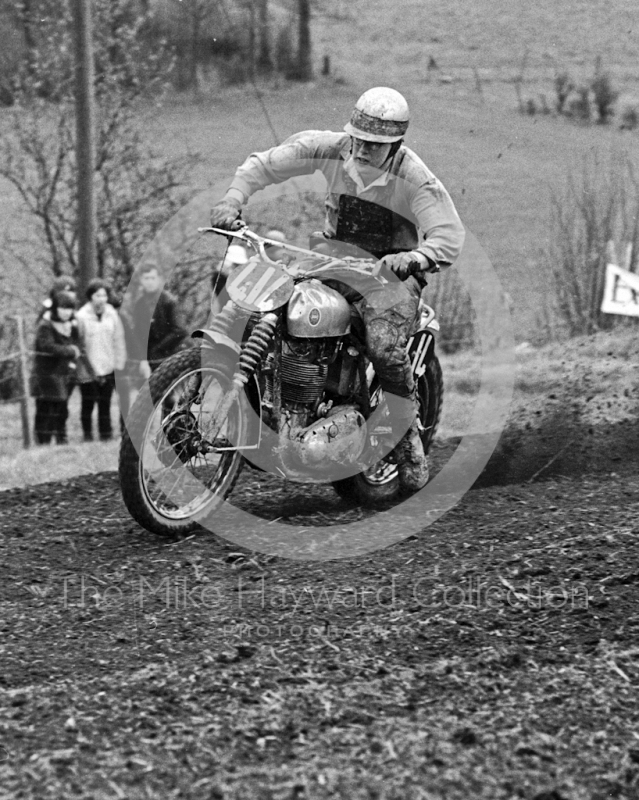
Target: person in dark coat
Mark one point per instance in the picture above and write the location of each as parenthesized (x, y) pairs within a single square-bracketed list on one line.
[(63, 283), (156, 325), (57, 349)]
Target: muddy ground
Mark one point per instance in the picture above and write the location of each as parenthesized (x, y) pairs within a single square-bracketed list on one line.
[(493, 655)]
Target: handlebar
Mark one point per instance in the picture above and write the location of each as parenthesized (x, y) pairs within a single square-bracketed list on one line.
[(367, 266)]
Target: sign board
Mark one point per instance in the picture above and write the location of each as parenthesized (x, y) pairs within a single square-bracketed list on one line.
[(621, 292)]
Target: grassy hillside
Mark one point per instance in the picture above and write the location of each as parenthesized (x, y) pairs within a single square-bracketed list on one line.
[(381, 39), (497, 164)]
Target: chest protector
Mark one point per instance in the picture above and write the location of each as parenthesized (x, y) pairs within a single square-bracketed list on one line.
[(373, 228)]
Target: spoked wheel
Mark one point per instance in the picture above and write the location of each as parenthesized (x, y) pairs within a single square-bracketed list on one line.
[(177, 462), (379, 485)]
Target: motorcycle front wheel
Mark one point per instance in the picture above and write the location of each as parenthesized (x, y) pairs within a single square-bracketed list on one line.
[(379, 485), (177, 463)]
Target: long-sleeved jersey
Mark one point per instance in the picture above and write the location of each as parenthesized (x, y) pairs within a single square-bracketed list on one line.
[(423, 216)]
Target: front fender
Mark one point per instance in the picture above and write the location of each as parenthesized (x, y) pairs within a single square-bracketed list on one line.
[(213, 339)]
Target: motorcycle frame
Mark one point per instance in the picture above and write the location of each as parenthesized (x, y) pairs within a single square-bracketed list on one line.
[(420, 346)]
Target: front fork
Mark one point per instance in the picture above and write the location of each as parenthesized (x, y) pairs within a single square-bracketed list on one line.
[(253, 350)]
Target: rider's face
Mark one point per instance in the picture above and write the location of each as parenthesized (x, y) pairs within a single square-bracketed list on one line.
[(370, 154)]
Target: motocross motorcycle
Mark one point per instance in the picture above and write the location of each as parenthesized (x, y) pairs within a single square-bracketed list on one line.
[(280, 380)]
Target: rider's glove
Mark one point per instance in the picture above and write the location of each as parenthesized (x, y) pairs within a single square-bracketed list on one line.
[(405, 264), (224, 214)]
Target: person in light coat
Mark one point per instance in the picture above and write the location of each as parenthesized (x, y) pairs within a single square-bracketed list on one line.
[(104, 351)]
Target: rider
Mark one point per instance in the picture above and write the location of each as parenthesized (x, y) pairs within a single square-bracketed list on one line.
[(382, 198)]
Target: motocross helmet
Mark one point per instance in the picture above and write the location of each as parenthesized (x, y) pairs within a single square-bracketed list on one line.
[(380, 115)]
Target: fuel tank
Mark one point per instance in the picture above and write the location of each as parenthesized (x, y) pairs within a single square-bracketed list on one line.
[(316, 311)]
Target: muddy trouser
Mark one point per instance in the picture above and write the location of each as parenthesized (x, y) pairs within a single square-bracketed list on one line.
[(389, 315)]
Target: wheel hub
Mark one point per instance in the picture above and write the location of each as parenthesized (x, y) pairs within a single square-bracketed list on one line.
[(181, 432)]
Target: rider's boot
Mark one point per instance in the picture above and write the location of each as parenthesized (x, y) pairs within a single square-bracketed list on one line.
[(412, 462)]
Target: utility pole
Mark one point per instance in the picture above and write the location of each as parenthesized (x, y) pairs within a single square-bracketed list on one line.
[(85, 138)]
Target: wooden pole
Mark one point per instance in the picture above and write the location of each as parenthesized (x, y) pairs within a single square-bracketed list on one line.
[(85, 127), (24, 385)]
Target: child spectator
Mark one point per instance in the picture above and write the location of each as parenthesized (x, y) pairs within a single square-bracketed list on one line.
[(57, 350), (102, 339)]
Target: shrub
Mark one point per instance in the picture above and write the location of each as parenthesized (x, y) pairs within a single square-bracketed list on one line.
[(598, 205), (605, 97), (233, 71), (579, 106), (543, 105), (629, 118), (449, 297), (563, 88)]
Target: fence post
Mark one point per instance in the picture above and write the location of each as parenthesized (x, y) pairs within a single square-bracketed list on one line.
[(24, 385), (627, 257)]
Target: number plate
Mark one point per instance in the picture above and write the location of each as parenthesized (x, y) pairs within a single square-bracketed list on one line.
[(257, 286)]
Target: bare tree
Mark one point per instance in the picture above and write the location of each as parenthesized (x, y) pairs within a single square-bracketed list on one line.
[(26, 11), (264, 59), (135, 189), (304, 61), (189, 18)]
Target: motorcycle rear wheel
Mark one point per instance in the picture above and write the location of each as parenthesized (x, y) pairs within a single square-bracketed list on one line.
[(379, 485), (171, 476)]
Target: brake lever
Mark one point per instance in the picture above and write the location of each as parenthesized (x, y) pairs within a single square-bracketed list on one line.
[(379, 266)]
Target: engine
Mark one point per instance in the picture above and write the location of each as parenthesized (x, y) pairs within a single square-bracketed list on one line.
[(304, 373), (305, 369), (318, 318)]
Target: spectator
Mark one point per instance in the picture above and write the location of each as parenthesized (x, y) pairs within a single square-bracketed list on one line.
[(127, 380), (63, 283), (57, 350), (102, 338), (156, 327)]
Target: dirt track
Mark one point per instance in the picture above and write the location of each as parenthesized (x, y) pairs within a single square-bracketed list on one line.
[(491, 656), (504, 636)]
